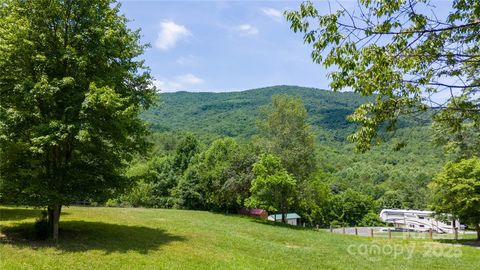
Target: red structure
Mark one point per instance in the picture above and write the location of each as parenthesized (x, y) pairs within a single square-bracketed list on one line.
[(253, 212)]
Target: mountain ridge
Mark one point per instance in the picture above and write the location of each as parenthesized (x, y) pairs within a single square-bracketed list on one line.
[(234, 114)]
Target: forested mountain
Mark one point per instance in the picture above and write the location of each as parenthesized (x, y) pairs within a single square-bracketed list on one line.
[(395, 176), (235, 113)]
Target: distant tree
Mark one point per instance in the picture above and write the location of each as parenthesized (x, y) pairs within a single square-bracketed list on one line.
[(288, 136), (154, 180), (314, 199), (139, 195), (239, 176), (212, 164), (273, 187), (371, 219), (189, 193), (163, 142), (164, 181), (403, 53), (350, 207), (71, 89), (462, 140), (415, 192), (186, 149), (226, 171), (391, 199), (456, 191)]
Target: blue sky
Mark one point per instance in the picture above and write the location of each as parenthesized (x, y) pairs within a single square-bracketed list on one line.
[(225, 45), (222, 45)]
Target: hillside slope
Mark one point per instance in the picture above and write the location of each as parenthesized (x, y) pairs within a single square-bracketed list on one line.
[(128, 238), (235, 113)]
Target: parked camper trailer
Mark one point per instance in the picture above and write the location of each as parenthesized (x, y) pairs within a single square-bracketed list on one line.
[(418, 220)]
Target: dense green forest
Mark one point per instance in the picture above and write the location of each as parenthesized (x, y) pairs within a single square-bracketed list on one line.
[(234, 114), (394, 163), (206, 144)]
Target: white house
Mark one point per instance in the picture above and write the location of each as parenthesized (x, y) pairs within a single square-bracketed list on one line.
[(292, 218), (418, 220)]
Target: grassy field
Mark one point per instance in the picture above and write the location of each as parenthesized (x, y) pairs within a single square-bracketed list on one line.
[(123, 238)]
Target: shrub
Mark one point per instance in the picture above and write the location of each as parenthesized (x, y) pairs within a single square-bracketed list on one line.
[(371, 219)]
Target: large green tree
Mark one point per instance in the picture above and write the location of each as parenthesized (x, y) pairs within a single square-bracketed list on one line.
[(71, 88), (287, 135), (273, 187), (456, 191), (410, 58)]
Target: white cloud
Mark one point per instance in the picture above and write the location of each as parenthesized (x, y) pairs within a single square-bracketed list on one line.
[(189, 60), (246, 30), (170, 33), (273, 13), (190, 79), (181, 82)]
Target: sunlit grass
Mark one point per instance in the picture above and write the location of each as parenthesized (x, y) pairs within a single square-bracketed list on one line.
[(128, 238)]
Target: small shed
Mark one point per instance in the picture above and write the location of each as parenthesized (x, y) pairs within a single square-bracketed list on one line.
[(292, 218)]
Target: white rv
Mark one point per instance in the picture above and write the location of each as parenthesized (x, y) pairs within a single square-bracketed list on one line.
[(418, 220)]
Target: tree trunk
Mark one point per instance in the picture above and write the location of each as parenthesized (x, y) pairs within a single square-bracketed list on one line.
[(54, 219), (50, 218), (478, 231)]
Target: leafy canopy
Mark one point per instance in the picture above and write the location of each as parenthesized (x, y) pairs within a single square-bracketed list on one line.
[(456, 190), (71, 89), (404, 54), (226, 170), (288, 136), (273, 187)]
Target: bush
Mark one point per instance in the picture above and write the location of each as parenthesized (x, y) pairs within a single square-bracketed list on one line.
[(337, 224), (140, 195), (371, 219), (42, 231)]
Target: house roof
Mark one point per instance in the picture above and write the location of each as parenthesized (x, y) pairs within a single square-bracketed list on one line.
[(257, 211), (252, 211), (289, 216)]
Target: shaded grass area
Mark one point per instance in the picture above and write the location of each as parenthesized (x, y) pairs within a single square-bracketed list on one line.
[(128, 238), (11, 214), (467, 241), (81, 236)]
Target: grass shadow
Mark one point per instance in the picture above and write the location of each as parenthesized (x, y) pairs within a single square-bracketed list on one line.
[(463, 242), (80, 236), (16, 214)]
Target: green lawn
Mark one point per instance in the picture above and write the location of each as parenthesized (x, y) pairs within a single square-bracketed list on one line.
[(128, 238)]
